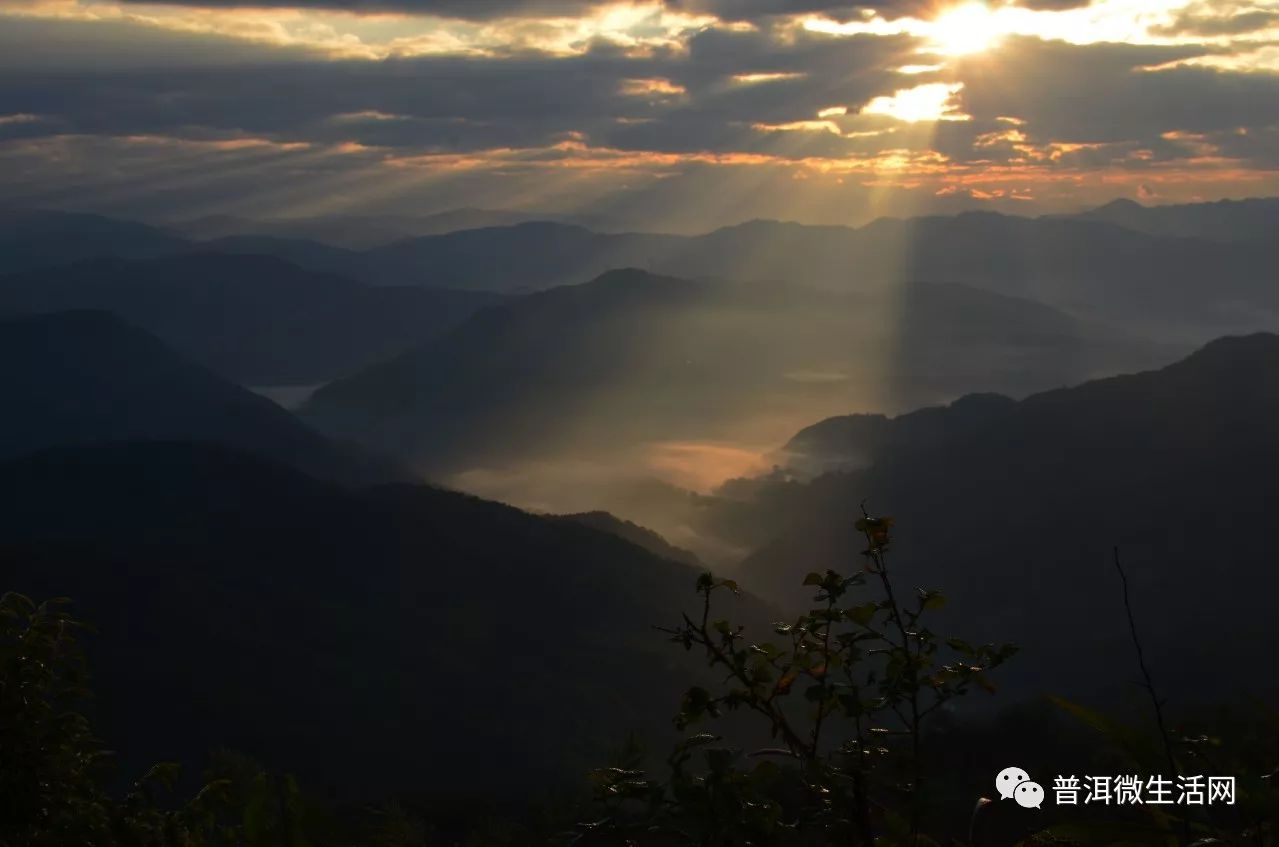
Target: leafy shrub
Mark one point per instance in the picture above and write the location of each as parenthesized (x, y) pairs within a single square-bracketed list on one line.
[(844, 693), (54, 772)]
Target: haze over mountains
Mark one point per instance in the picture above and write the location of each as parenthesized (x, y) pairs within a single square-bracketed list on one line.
[(631, 358), (732, 411), (362, 232), (687, 377), (1118, 263), (438, 410)]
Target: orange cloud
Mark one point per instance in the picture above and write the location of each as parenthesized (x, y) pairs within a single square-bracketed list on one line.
[(656, 88)]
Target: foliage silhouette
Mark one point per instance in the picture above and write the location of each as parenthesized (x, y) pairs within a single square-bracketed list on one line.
[(844, 691), (55, 773)]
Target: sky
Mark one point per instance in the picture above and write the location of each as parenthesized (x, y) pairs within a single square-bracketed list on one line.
[(675, 115)]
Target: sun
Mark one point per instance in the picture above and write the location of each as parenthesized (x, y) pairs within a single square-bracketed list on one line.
[(965, 29)]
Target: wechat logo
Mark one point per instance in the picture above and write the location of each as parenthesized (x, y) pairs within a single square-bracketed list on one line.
[(1015, 784)]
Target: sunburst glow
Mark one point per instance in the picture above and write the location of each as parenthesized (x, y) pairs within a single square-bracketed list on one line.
[(965, 29)]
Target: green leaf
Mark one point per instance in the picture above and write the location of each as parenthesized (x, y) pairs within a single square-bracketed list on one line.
[(863, 614)]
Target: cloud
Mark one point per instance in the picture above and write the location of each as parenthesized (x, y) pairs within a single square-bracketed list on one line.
[(726, 10), (462, 9), (1215, 19), (1052, 5), (750, 10), (1111, 93), (34, 44), (690, 101), (481, 10), (641, 100)]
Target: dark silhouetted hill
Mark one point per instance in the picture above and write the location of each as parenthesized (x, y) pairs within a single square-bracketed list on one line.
[(853, 442), (1016, 518), (397, 639), (89, 378), (640, 536)]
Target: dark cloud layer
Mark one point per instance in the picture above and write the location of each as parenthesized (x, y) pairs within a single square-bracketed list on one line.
[(1066, 93), (460, 104), (463, 9), (1107, 92), (726, 10)]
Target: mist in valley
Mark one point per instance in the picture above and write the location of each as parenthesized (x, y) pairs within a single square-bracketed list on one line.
[(578, 423)]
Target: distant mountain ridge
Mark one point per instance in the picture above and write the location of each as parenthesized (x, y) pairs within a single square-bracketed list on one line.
[(1224, 220), (1182, 288), (255, 319), (523, 257), (363, 231), (31, 239)]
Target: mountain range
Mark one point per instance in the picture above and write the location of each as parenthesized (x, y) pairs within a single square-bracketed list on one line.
[(633, 357), (363, 232), (1224, 220), (267, 581), (254, 585), (1143, 267), (1090, 267), (250, 583), (255, 319), (32, 238), (1014, 509)]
